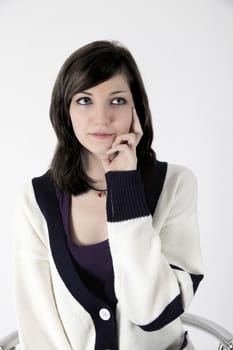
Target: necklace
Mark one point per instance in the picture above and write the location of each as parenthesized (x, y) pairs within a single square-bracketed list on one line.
[(100, 193)]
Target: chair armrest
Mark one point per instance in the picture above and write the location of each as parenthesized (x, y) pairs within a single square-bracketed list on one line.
[(223, 335), (10, 341)]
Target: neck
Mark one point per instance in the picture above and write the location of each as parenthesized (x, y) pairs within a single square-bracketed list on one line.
[(93, 167)]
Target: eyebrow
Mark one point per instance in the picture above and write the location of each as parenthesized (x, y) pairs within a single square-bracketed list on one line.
[(112, 93), (118, 92)]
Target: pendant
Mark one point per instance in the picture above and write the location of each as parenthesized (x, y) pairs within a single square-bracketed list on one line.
[(101, 194)]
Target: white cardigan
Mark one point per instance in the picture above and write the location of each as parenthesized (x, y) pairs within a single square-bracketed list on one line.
[(156, 261)]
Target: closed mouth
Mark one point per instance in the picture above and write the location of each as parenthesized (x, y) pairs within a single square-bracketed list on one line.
[(101, 134)]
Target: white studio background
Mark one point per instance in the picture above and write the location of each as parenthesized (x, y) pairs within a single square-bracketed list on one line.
[(184, 50)]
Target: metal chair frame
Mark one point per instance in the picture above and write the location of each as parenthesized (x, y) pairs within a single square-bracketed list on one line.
[(210, 327), (221, 334)]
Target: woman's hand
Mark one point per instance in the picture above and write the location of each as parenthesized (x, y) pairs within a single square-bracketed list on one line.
[(122, 156)]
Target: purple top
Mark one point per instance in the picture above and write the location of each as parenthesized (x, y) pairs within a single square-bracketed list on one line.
[(93, 262)]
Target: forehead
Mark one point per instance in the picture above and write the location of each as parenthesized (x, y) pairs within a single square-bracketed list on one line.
[(117, 82)]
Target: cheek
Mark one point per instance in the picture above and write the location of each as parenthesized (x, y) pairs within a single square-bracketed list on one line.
[(77, 121), (126, 121), (78, 128)]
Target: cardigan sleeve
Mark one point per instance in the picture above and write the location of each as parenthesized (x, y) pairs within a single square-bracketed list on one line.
[(38, 322), (156, 259)]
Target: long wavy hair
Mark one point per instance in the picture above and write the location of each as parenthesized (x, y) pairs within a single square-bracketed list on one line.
[(85, 68)]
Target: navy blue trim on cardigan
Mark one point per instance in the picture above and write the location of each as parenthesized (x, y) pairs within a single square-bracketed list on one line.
[(106, 335), (185, 341), (125, 196), (196, 278), (124, 202), (158, 174), (173, 310)]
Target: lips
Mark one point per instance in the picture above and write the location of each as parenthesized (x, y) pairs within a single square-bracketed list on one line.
[(101, 135)]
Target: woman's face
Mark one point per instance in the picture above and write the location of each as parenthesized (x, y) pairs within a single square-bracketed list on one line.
[(101, 113)]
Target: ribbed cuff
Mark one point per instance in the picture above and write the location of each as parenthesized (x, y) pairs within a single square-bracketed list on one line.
[(125, 196)]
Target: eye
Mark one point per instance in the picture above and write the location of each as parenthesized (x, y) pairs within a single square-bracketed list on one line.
[(84, 101), (119, 101)]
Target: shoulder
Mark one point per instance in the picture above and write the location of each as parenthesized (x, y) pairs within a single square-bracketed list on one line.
[(172, 175), (179, 175), (178, 197), (27, 194), (28, 225), (177, 182), (180, 188), (26, 201), (180, 171), (27, 208)]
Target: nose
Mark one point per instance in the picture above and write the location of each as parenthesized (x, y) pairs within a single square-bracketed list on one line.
[(102, 115)]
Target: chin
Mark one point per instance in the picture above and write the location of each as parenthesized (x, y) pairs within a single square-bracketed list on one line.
[(98, 150), (100, 147)]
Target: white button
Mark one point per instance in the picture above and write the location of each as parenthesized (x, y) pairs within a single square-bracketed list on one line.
[(104, 314)]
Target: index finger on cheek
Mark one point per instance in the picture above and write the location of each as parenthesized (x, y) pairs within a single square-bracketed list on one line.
[(137, 124)]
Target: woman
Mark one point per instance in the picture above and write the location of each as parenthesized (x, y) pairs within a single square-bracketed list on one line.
[(107, 252)]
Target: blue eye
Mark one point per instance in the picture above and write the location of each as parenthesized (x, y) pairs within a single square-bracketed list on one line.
[(119, 101), (84, 101)]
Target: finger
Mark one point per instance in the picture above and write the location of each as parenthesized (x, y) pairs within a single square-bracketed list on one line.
[(119, 148), (103, 156), (106, 161), (130, 139), (136, 125)]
